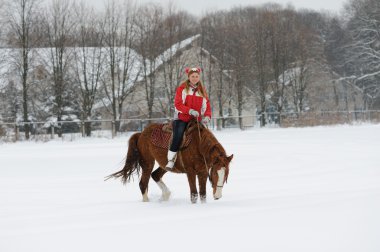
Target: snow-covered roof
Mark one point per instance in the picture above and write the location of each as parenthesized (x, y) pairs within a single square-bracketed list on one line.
[(42, 56), (170, 52), (76, 57), (289, 75), (132, 67)]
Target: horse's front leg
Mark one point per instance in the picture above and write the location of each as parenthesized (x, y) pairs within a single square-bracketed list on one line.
[(202, 180), (193, 187), (157, 176)]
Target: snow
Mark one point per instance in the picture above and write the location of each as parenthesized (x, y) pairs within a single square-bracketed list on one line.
[(298, 189), (168, 54), (153, 65), (290, 75)]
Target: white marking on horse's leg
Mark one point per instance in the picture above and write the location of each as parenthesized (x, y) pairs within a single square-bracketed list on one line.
[(194, 198), (145, 196), (203, 199), (221, 173), (165, 190)]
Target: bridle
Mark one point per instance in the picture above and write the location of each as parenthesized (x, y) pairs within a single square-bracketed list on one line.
[(204, 159)]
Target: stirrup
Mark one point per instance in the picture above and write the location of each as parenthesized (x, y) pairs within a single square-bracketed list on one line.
[(172, 156)]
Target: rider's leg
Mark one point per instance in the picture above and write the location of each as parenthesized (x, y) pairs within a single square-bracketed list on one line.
[(179, 127)]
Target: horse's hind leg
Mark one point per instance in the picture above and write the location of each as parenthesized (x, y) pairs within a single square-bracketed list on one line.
[(157, 176), (147, 167)]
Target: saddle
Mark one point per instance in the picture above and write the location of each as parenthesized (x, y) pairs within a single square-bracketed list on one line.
[(162, 135)]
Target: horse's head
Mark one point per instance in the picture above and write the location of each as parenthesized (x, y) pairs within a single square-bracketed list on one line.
[(216, 158), (219, 173)]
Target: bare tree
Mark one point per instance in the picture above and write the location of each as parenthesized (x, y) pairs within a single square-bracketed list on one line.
[(60, 25), (298, 73), (178, 29), (123, 64), (10, 101), (336, 39), (21, 15), (3, 21), (309, 64), (363, 58), (259, 40), (88, 59), (299, 79), (149, 34), (240, 48), (280, 33), (215, 33)]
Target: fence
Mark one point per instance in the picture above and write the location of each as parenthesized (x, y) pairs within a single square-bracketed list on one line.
[(71, 130)]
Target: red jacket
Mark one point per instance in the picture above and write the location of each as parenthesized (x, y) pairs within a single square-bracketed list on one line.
[(183, 102)]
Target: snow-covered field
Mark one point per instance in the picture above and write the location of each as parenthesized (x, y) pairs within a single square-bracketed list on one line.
[(312, 189)]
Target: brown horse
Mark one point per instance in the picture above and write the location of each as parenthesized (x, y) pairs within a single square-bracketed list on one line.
[(203, 157)]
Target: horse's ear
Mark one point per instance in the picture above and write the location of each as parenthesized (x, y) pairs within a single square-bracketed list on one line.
[(230, 158)]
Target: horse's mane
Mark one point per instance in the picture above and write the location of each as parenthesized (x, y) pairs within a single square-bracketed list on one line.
[(209, 145)]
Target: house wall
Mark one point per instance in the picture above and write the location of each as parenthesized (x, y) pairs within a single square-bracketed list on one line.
[(326, 94), (192, 55)]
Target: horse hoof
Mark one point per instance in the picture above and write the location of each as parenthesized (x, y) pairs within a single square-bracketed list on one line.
[(203, 199), (165, 197), (145, 198), (194, 198)]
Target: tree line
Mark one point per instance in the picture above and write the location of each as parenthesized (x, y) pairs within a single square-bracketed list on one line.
[(269, 53)]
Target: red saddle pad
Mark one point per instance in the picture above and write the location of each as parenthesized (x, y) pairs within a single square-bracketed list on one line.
[(163, 139)]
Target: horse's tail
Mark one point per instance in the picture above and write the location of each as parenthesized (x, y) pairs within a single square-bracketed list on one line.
[(131, 163)]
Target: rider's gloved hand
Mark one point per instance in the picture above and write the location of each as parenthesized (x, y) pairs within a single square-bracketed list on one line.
[(206, 120), (193, 113)]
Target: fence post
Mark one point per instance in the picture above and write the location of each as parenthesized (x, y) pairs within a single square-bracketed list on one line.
[(219, 124), (17, 132), (52, 131), (113, 129), (370, 116), (82, 128)]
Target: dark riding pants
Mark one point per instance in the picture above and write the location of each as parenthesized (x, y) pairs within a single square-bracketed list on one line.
[(179, 127)]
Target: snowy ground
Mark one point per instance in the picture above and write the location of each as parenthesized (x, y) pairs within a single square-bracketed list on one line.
[(312, 189)]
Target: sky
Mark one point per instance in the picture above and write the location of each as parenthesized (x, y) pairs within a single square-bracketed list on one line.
[(198, 7)]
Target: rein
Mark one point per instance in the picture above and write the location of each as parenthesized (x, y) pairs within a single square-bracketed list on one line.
[(204, 159)]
